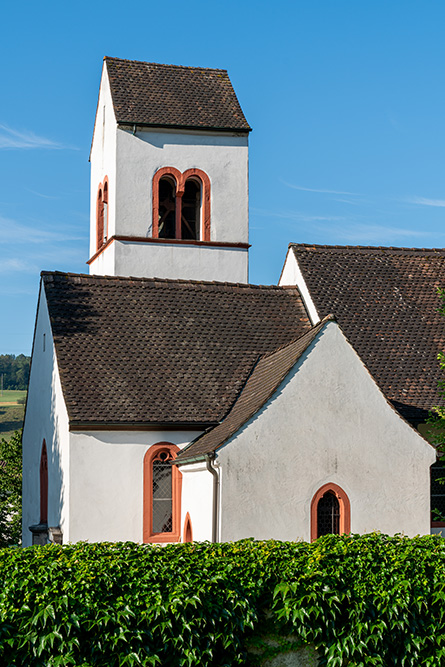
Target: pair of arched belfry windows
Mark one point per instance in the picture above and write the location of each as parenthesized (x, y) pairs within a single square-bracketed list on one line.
[(181, 205)]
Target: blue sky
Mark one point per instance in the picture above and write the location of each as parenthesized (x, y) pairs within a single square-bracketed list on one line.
[(346, 100)]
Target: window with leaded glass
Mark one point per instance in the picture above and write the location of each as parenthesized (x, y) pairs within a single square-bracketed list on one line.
[(162, 494)]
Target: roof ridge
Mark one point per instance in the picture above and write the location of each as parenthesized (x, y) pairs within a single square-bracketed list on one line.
[(145, 62), (180, 281), (401, 249)]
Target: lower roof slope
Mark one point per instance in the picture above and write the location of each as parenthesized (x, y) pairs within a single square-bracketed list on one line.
[(385, 300), (150, 351)]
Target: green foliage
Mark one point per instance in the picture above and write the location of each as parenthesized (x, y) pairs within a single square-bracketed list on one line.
[(436, 420), (11, 490), (361, 600), (15, 371)]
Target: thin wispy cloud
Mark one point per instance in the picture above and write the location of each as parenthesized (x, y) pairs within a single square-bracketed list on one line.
[(11, 139), (295, 215), (40, 194), (425, 201), (14, 232), (374, 234), (321, 190)]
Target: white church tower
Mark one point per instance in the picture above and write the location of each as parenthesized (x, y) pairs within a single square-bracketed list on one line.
[(169, 174)]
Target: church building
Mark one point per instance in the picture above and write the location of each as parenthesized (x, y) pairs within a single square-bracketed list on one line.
[(171, 400)]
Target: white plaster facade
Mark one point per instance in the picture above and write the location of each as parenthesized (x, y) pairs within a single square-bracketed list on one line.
[(46, 419), (327, 423), (95, 478), (129, 157)]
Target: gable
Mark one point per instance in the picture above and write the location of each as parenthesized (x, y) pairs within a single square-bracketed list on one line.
[(149, 351), (385, 300)]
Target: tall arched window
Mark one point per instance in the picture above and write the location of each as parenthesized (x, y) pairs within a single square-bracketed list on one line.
[(187, 535), (330, 512), (102, 214), (181, 205), (162, 494), (44, 485)]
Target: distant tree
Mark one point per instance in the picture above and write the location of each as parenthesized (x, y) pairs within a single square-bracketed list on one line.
[(436, 420), (11, 490), (15, 371)]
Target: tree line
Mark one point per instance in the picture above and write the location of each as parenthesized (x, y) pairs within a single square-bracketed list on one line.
[(14, 371)]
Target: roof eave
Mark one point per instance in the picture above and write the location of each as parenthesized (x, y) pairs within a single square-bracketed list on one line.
[(199, 128)]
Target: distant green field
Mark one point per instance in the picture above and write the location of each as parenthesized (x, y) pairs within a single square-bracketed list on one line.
[(11, 419), (8, 396)]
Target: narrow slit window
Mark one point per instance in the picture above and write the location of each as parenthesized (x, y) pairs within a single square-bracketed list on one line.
[(167, 209), (328, 515), (191, 210), (100, 218), (44, 485)]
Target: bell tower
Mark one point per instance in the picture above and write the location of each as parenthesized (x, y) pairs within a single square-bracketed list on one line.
[(169, 174)]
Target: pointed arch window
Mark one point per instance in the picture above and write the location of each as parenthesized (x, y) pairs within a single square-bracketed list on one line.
[(162, 494), (330, 512), (181, 205), (44, 484)]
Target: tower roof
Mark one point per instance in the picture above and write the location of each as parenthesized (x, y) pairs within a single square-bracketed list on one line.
[(173, 96)]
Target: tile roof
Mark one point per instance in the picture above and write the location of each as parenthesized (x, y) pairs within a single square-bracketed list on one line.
[(385, 300), (152, 351), (266, 377), (174, 96)]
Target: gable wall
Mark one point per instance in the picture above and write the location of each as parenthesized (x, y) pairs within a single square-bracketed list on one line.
[(328, 422), (46, 418)]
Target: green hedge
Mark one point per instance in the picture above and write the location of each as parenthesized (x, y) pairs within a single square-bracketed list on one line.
[(370, 600)]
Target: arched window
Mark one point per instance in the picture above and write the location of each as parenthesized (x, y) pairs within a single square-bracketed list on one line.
[(187, 535), (330, 512), (44, 485), (102, 214), (181, 205), (162, 494), (167, 208)]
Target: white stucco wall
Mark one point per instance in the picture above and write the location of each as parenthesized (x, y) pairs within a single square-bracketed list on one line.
[(328, 422), (197, 500), (46, 418), (103, 158), (291, 275), (186, 262), (106, 482)]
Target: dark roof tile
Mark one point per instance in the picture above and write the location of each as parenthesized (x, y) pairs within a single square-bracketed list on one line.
[(173, 96), (144, 351), (385, 300)]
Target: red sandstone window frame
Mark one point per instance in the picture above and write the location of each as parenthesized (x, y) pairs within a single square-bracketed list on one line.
[(148, 536), (180, 179), (101, 222), (345, 508), (187, 533), (43, 474)]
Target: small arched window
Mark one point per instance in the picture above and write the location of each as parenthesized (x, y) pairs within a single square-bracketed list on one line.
[(44, 485), (167, 208), (330, 512), (181, 205), (187, 535), (162, 494)]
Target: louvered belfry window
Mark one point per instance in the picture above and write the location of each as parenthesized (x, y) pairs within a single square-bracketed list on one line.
[(328, 515), (162, 493)]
